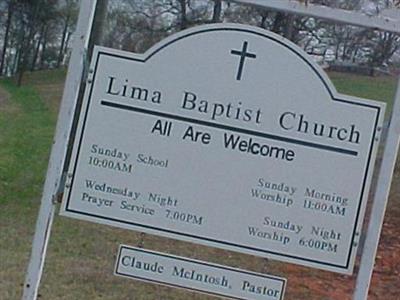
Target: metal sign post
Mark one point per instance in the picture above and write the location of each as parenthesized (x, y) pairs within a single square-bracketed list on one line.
[(59, 150), (380, 200)]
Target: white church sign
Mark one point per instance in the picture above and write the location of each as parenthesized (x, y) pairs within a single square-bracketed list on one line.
[(227, 136)]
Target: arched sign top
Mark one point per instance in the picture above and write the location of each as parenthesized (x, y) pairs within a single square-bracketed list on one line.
[(270, 38), (243, 30), (225, 135)]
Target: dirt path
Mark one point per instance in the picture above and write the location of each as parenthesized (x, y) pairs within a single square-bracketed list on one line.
[(51, 94), (4, 95)]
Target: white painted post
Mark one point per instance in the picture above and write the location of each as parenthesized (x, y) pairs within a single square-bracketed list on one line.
[(379, 202), (59, 150), (349, 17)]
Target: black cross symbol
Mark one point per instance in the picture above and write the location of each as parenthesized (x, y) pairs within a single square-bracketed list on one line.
[(243, 55)]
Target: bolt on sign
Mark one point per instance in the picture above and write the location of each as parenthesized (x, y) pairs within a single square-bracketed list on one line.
[(227, 136)]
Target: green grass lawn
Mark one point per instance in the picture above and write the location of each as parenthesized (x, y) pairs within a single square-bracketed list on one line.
[(81, 255), (377, 88), (26, 130)]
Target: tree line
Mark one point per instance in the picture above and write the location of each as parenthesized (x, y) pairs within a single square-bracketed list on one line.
[(36, 34), (135, 25)]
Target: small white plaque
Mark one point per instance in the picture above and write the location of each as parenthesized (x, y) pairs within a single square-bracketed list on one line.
[(228, 136), (197, 275)]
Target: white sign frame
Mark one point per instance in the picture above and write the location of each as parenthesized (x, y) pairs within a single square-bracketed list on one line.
[(64, 125)]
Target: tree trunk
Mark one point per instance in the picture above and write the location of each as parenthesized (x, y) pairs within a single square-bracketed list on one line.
[(44, 47), (26, 45), (217, 11), (264, 18), (337, 51), (344, 56), (67, 41), (15, 62), (277, 25), (355, 52), (36, 53), (8, 25), (289, 30), (21, 62), (183, 20), (99, 21), (64, 34)]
